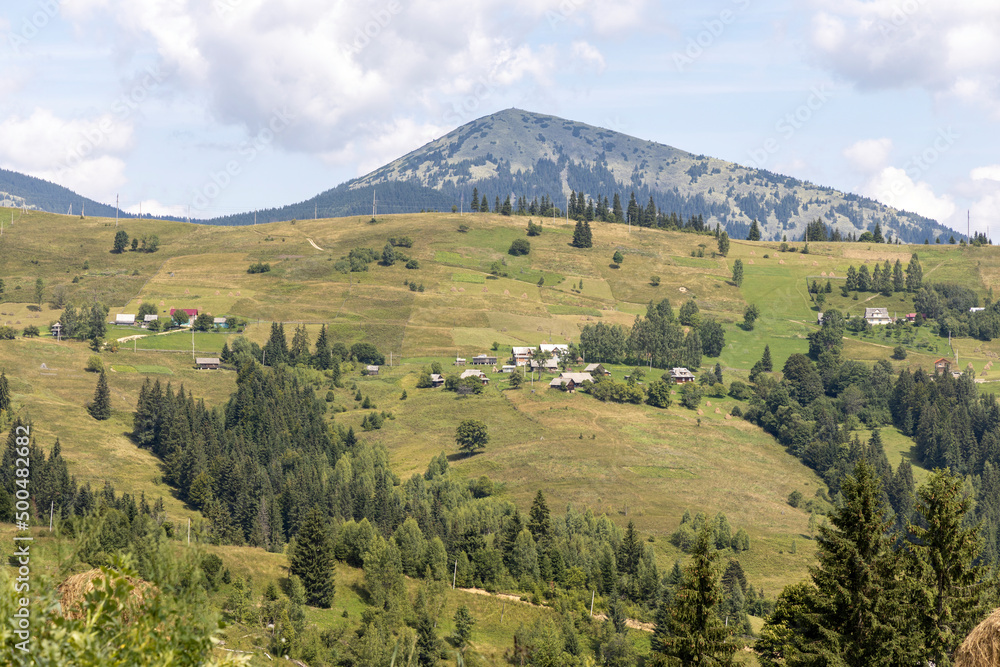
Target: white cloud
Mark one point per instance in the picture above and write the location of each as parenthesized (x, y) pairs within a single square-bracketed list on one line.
[(869, 155), (894, 187), (155, 208), (340, 66), (81, 154), (945, 47), (990, 172)]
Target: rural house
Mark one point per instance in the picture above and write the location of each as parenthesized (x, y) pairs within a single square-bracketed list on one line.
[(219, 322), (371, 370), (942, 365), (875, 316), (437, 380), (210, 363), (570, 381), (478, 374), (459, 361), (484, 360), (596, 369), (681, 375), (554, 349), (522, 355), (547, 365), (125, 319)]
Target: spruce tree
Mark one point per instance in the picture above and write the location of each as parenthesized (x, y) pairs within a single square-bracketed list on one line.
[(475, 200), (312, 559), (588, 236), (859, 601), (693, 633), (4, 392), (754, 234), (100, 408), (944, 552), (322, 359), (538, 519), (738, 272)]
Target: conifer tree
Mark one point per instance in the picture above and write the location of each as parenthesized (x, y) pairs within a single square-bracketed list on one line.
[(100, 408), (914, 274), (738, 272), (723, 244), (859, 601), (312, 559), (4, 392), (322, 359), (484, 206), (299, 351), (388, 255), (587, 235), (630, 551), (693, 634), (538, 518), (944, 551), (475, 200), (616, 209), (754, 234), (765, 360)]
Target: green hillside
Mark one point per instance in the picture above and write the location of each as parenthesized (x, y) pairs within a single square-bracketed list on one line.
[(632, 462)]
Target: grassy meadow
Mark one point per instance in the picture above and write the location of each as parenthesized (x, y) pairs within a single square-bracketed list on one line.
[(631, 462)]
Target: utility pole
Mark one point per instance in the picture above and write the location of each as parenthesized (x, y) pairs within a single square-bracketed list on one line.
[(116, 210), (373, 204), (315, 211), (454, 576)]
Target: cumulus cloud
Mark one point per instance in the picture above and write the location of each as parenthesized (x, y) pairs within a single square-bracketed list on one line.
[(948, 48), (82, 154), (340, 66), (895, 187), (869, 155)]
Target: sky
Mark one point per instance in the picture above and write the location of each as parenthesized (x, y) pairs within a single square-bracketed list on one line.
[(213, 107)]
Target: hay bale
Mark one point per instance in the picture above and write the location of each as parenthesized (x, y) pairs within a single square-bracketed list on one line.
[(982, 647), (73, 592)]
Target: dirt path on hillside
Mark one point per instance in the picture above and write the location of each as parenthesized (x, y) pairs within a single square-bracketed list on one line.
[(314, 245), (507, 597)]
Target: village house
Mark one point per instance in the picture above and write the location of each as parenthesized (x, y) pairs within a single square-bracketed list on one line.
[(459, 361), (476, 373), (942, 365), (210, 363), (681, 375), (554, 349), (124, 319), (522, 355), (876, 316), (484, 360), (371, 370), (596, 369), (570, 381), (146, 319), (437, 380), (547, 365), (508, 368), (219, 322), (910, 317)]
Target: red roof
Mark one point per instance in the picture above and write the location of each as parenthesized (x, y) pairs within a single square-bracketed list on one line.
[(192, 312)]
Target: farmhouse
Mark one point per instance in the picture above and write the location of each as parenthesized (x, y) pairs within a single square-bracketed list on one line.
[(570, 381), (371, 370), (876, 316), (547, 365), (211, 363), (508, 368), (459, 361), (473, 373), (219, 322), (124, 318), (191, 312), (596, 369), (146, 319), (911, 317), (681, 375), (942, 365), (522, 355), (484, 360), (437, 380), (554, 349)]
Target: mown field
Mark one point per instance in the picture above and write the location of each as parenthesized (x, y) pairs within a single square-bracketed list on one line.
[(631, 462)]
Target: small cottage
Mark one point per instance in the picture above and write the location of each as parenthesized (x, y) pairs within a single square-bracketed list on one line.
[(877, 316), (942, 365), (437, 380), (125, 319), (596, 369), (570, 381), (681, 375), (484, 360), (207, 363), (371, 370), (475, 373), (522, 355)]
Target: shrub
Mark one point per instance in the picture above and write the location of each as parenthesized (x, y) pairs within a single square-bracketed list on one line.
[(413, 264), (795, 498), (520, 247), (899, 352), (95, 364), (654, 281), (30, 331), (259, 267), (7, 333)]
